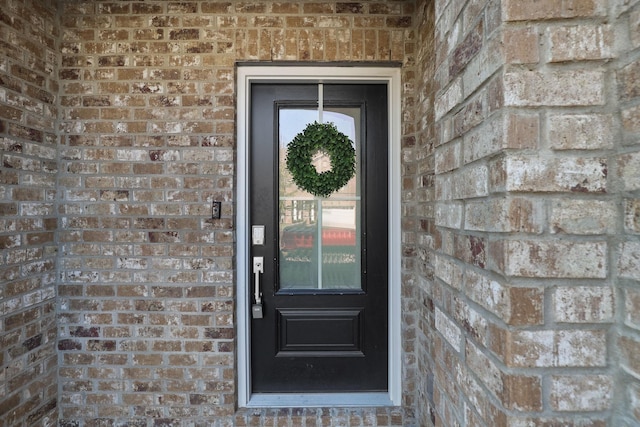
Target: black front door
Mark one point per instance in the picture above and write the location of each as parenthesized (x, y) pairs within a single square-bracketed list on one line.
[(322, 261)]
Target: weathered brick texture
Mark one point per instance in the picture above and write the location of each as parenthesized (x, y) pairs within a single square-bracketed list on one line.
[(420, 217), (627, 250), (148, 105), (520, 203), (535, 172), (28, 143)]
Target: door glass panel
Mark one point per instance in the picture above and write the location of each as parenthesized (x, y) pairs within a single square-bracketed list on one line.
[(320, 245)]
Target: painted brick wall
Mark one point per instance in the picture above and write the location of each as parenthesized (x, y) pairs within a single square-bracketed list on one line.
[(146, 299), (28, 149)]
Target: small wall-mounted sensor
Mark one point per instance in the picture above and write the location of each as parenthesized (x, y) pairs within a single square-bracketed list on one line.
[(216, 209)]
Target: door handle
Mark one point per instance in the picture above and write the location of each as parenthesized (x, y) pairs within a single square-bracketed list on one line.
[(258, 268)]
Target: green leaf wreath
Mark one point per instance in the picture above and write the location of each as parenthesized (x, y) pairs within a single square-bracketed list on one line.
[(327, 138)]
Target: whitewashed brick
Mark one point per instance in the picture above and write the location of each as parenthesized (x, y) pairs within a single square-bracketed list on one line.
[(504, 215), (447, 157), (474, 323), (581, 392), (632, 216), (629, 171), (484, 368), (629, 260), (532, 349), (448, 271), (444, 187), (132, 155), (484, 140), (483, 66), (564, 348), (583, 217), (583, 304), (631, 119), (578, 175), (581, 131), (540, 258), (559, 88), (451, 333), (634, 27), (475, 392), (633, 394), (498, 132), (632, 307), (470, 182), (490, 294), (581, 42), (449, 214), (449, 99)]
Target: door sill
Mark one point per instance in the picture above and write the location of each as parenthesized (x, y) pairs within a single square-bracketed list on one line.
[(318, 400)]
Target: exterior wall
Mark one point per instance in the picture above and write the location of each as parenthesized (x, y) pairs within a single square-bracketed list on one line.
[(521, 236), (536, 178), (626, 250), (28, 142), (418, 210), (146, 299)]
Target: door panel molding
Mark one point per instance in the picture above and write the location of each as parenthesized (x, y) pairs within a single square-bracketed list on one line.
[(246, 76), (295, 324)]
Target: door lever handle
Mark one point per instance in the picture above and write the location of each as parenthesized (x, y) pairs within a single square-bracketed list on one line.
[(258, 268)]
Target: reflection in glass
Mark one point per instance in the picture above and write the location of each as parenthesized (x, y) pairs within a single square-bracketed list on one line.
[(319, 237)]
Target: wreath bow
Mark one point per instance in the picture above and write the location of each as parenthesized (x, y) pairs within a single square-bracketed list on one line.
[(321, 137)]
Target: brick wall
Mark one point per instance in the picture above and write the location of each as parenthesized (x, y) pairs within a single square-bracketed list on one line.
[(418, 210), (626, 250), (28, 143), (563, 260), (520, 207), (146, 299), (536, 129)]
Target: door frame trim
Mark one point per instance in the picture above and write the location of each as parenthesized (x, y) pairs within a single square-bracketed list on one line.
[(246, 75)]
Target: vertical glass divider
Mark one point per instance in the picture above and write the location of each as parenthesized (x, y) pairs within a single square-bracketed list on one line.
[(319, 201), (320, 102), (319, 239)]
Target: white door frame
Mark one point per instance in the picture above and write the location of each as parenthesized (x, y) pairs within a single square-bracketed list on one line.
[(258, 73)]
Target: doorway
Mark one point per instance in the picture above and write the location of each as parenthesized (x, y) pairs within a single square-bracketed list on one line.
[(318, 319)]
